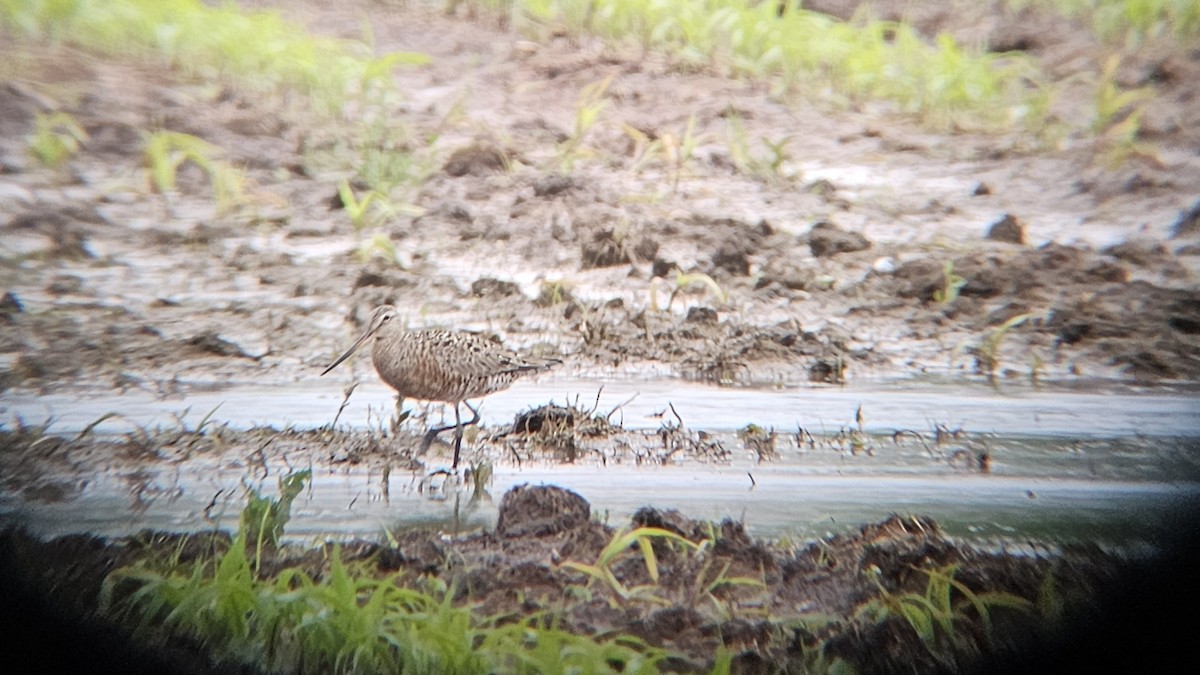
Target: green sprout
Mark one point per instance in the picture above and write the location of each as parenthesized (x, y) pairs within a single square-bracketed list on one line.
[(355, 208), (553, 292), (264, 518), (377, 72), (167, 151), (680, 150), (591, 103), (683, 282), (1118, 114), (645, 150), (768, 171), (951, 285), (57, 137), (618, 548), (378, 246), (987, 354), (940, 614)]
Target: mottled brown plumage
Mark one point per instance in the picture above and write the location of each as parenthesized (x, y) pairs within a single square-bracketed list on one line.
[(440, 365)]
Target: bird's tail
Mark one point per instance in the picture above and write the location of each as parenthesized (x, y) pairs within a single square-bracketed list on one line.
[(525, 364)]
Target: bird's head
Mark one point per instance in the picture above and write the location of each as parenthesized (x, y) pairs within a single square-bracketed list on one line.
[(383, 316)]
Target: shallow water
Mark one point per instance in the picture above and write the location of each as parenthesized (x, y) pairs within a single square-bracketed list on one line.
[(1083, 411), (793, 498), (1119, 467)]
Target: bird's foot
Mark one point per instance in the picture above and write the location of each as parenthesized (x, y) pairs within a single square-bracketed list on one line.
[(427, 441), (474, 420), (443, 471), (439, 483)]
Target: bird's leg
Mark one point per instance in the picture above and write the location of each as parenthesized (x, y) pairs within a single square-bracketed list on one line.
[(457, 437), (474, 420), (400, 415), (428, 440), (458, 429), (458, 425), (474, 415)]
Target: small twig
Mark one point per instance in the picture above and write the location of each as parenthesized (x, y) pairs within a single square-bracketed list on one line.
[(211, 504), (675, 413), (596, 405), (608, 417), (88, 429), (901, 433), (345, 401), (262, 458)]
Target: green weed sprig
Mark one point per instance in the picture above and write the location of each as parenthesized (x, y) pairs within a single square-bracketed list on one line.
[(264, 518), (800, 50), (682, 282), (939, 614), (167, 151), (952, 284), (987, 354), (592, 102), (56, 138), (617, 548), (1118, 114), (344, 621)]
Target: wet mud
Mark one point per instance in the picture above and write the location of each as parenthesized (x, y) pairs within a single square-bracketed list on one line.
[(770, 605), (841, 266), (834, 271)]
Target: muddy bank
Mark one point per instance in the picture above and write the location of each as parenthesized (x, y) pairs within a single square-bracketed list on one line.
[(871, 248), (883, 250), (774, 607)]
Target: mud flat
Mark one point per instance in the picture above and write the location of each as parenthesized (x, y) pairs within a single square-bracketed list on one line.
[(903, 396)]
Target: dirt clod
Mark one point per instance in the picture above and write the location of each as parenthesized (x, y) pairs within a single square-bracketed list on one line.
[(1188, 224), (211, 342), (10, 306), (538, 511), (702, 315), (826, 240), (552, 184), (1008, 229), (544, 417), (605, 249), (489, 287), (475, 160)]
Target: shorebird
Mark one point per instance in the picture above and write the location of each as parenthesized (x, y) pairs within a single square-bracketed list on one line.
[(440, 365)]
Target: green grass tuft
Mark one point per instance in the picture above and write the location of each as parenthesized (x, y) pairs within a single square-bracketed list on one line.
[(57, 136), (1130, 20), (940, 81), (259, 50), (344, 620)]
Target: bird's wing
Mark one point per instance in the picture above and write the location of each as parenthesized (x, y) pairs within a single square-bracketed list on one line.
[(471, 355)]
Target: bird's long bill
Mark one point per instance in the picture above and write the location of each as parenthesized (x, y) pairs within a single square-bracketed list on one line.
[(353, 348)]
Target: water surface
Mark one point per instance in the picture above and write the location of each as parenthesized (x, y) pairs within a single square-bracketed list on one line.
[(1118, 467)]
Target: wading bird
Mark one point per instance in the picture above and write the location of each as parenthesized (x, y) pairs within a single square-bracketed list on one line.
[(440, 365)]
